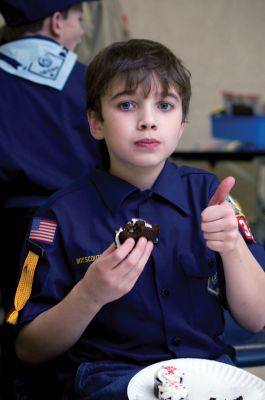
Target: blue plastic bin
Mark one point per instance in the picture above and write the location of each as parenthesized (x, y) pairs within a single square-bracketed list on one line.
[(243, 128)]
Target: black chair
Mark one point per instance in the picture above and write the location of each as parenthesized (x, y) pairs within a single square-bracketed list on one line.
[(20, 381), (36, 383), (7, 339)]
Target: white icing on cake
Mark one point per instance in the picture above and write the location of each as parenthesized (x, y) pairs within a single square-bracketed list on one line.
[(168, 384), (117, 240), (172, 391), (169, 373)]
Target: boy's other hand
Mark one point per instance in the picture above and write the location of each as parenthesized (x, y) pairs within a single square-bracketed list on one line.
[(219, 222), (115, 272)]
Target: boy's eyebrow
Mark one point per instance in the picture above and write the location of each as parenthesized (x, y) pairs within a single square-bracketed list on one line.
[(122, 93), (170, 94), (130, 92)]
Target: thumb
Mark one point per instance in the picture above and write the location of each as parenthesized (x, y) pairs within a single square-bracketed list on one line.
[(222, 191)]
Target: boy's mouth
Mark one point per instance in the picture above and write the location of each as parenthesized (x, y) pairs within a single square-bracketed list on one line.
[(147, 143)]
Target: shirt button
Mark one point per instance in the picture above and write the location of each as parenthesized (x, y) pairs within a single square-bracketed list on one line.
[(176, 341), (164, 292)]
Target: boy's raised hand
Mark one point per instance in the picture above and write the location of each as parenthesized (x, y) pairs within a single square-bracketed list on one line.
[(115, 272), (219, 223)]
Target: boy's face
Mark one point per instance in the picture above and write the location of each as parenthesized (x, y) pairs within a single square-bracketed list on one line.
[(72, 30), (140, 131)]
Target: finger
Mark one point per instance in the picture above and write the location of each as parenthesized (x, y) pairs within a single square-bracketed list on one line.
[(134, 268), (136, 254), (112, 255), (216, 213), (222, 191), (220, 236), (134, 257), (125, 248)]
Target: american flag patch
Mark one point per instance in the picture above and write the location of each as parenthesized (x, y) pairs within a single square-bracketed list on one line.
[(43, 230)]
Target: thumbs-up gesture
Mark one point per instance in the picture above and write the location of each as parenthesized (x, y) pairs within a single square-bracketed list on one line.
[(219, 224)]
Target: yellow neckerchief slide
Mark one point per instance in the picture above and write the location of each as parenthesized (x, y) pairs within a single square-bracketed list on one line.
[(25, 282)]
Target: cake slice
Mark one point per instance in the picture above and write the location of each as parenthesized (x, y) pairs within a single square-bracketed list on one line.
[(135, 229)]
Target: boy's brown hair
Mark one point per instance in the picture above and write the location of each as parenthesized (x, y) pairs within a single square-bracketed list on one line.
[(136, 61)]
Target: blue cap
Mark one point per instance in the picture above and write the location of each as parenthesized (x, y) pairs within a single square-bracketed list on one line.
[(21, 12)]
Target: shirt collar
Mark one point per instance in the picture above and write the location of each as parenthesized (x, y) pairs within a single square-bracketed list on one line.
[(168, 185), (113, 190)]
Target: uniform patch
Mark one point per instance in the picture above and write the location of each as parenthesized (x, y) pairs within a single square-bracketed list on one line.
[(87, 259), (213, 285), (242, 221), (245, 228), (43, 230)]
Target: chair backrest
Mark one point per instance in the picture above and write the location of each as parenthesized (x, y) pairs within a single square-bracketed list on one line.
[(36, 383), (248, 347)]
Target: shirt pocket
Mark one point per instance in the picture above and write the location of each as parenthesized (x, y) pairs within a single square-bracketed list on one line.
[(202, 284)]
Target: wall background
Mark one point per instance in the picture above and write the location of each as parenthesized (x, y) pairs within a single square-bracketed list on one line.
[(222, 42)]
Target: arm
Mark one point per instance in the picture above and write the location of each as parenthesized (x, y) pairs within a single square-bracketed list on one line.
[(107, 279), (245, 278)]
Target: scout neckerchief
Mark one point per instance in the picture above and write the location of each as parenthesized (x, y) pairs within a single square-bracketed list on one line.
[(38, 60)]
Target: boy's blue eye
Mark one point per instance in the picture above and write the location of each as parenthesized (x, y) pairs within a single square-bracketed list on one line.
[(164, 105), (126, 105)]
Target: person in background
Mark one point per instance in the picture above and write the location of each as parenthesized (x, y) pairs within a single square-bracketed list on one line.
[(104, 22), (44, 143), (107, 311)]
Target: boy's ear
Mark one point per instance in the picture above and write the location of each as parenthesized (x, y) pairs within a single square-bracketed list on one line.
[(95, 126), (56, 23)]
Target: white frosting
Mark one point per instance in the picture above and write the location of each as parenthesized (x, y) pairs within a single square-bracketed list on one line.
[(117, 240), (169, 383), (169, 373), (172, 391)]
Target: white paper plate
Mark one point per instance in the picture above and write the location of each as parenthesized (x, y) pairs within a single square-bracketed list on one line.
[(204, 379)]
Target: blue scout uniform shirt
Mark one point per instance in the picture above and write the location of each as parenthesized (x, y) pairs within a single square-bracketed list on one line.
[(44, 132), (175, 307)]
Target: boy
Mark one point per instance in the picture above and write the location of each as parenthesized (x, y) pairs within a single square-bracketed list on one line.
[(110, 310)]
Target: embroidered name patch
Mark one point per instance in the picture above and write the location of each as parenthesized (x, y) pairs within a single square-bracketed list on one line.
[(43, 230), (87, 259)]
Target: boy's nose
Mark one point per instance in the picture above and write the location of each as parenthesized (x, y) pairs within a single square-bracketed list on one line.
[(147, 124)]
